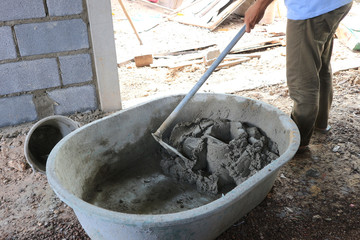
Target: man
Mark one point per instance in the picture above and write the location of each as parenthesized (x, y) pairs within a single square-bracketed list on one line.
[(309, 42)]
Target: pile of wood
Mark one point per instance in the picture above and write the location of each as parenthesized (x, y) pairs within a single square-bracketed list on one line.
[(206, 55), (206, 13), (201, 13)]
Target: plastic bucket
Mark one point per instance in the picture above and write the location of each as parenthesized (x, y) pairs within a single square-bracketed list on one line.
[(42, 138)]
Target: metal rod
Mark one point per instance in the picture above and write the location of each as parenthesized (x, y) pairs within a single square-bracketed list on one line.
[(202, 80)]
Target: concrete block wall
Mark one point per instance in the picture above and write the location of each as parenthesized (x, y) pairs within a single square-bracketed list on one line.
[(46, 60)]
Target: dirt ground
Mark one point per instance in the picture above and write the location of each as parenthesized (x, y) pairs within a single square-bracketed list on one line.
[(315, 196)]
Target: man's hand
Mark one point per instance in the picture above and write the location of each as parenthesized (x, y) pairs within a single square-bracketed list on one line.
[(255, 13)]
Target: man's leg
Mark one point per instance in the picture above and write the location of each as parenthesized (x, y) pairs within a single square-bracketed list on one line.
[(326, 91), (326, 88), (303, 61), (306, 42)]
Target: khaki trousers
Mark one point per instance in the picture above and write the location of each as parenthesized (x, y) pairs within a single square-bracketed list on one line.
[(308, 70)]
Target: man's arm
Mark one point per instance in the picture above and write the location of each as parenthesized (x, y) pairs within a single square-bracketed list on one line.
[(255, 13)]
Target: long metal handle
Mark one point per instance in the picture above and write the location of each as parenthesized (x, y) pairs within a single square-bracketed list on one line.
[(201, 81)]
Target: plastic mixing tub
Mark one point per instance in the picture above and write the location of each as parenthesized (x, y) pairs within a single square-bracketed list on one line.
[(108, 171)]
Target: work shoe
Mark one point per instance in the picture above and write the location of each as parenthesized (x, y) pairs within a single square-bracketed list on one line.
[(323, 130), (303, 149)]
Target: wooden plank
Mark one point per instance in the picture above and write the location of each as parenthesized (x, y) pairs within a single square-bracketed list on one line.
[(227, 62), (191, 19), (189, 57), (228, 59), (346, 64), (250, 55), (224, 14), (214, 12), (184, 64), (196, 13), (181, 58), (277, 34), (161, 63), (125, 62), (255, 48), (230, 63), (197, 8), (183, 51), (144, 60), (175, 64), (260, 46), (178, 10), (208, 8), (239, 58)]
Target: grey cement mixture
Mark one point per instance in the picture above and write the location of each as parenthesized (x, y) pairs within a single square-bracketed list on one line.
[(221, 154)]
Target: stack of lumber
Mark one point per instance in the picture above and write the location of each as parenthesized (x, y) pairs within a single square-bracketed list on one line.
[(205, 55), (206, 13)]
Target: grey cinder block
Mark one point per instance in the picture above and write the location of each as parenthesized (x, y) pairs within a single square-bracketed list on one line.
[(28, 75), (74, 99), (7, 45), (16, 110), (50, 37), (21, 9), (64, 7), (76, 68)]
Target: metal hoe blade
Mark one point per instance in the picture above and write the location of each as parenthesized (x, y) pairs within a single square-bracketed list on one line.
[(170, 119), (169, 148)]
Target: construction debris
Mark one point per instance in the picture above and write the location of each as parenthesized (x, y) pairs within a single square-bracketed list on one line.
[(273, 42), (185, 51), (345, 64), (230, 62), (207, 14), (348, 31), (211, 56), (210, 13), (205, 55), (349, 37), (144, 60)]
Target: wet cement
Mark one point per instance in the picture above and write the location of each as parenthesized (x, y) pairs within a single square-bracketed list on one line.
[(221, 154), (145, 190)]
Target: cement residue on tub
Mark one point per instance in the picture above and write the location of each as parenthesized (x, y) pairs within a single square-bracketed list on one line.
[(221, 153)]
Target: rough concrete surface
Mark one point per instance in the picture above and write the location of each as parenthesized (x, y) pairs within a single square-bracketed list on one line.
[(145, 190)]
